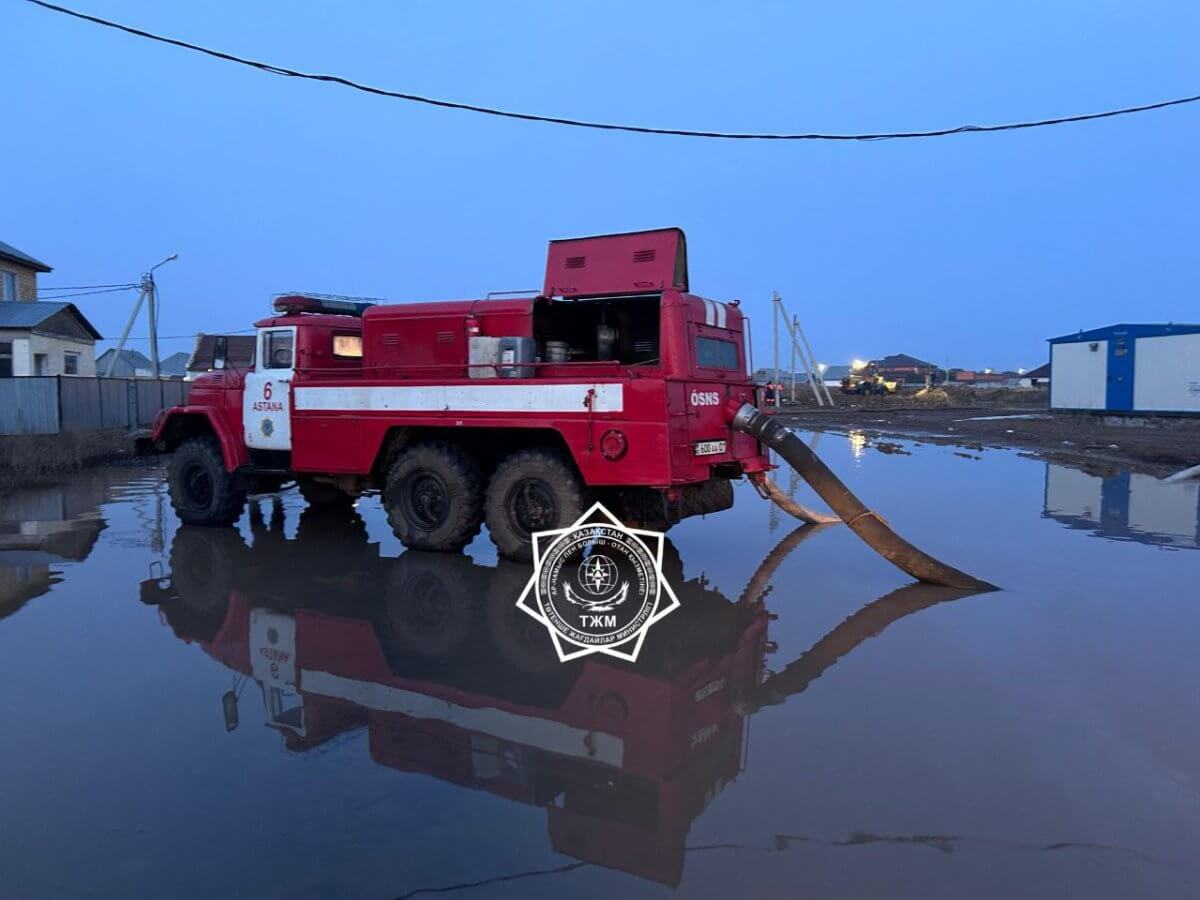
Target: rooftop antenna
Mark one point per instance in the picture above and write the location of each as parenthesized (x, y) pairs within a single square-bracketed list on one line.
[(147, 293)]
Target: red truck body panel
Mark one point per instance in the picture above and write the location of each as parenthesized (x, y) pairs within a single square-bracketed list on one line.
[(415, 372), (632, 263)]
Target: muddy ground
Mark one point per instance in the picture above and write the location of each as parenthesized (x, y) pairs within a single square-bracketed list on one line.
[(973, 419)]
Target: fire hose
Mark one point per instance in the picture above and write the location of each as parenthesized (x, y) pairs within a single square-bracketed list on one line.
[(864, 522)]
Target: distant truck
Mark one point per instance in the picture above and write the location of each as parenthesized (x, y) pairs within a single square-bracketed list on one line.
[(613, 383), (868, 380)]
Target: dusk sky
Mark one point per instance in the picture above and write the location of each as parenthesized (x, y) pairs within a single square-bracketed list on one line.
[(972, 248)]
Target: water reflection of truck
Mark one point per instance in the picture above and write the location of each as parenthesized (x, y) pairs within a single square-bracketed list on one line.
[(450, 680), (429, 654)]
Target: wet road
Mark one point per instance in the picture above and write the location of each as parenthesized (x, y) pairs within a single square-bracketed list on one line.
[(296, 708)]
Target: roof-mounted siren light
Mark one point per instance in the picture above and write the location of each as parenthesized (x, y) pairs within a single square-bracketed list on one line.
[(637, 262), (291, 304)]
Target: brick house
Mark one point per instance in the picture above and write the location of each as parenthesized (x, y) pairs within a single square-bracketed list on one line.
[(18, 274), (39, 337), (906, 369)]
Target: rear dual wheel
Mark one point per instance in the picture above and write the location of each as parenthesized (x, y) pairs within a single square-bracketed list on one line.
[(435, 498), (532, 490)]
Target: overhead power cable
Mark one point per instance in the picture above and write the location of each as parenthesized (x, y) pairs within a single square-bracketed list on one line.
[(182, 337), (608, 126), (112, 290), (86, 287)]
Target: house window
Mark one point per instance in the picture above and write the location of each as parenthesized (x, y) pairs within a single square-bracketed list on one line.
[(8, 285), (41, 364), (70, 363), (5, 359)]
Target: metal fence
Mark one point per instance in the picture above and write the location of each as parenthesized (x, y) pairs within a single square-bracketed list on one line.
[(57, 404)]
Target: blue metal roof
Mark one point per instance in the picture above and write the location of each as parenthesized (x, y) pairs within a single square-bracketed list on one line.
[(31, 315), (8, 251), (135, 358), (1126, 330)]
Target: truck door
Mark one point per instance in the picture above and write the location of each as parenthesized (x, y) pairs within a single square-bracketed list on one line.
[(716, 361), (273, 666), (267, 399)]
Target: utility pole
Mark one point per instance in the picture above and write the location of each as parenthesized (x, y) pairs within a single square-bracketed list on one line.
[(813, 359), (147, 293), (793, 369), (797, 350), (775, 341), (152, 315)]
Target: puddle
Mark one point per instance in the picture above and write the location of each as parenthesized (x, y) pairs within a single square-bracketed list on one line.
[(295, 707)]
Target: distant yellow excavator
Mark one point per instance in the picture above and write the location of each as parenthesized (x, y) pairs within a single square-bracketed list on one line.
[(866, 379)]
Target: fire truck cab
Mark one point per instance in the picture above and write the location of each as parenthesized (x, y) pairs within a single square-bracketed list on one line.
[(612, 383)]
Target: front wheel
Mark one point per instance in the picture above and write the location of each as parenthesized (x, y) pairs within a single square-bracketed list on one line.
[(531, 490), (202, 491)]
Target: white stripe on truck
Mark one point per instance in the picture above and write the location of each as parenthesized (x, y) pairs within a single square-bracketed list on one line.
[(714, 312), (523, 397), (545, 734)]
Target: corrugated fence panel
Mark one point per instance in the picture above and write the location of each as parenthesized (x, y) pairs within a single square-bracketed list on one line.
[(80, 404), (46, 405), (149, 401), (114, 407), (29, 405), (173, 393)]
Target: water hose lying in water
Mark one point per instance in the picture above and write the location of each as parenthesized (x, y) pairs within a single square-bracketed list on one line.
[(864, 522), (775, 494)]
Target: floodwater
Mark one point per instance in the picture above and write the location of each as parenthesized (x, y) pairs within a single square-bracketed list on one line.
[(296, 708)]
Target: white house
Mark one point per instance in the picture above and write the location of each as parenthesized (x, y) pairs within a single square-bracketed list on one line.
[(46, 338), (39, 337)]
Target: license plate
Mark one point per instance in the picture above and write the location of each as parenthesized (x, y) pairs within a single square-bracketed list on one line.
[(708, 448)]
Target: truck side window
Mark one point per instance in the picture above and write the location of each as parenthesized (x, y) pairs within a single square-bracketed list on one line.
[(347, 346), (277, 350), (712, 353)]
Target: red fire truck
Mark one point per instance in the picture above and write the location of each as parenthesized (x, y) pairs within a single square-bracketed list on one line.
[(611, 383)]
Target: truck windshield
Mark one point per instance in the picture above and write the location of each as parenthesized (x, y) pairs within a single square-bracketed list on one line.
[(713, 353)]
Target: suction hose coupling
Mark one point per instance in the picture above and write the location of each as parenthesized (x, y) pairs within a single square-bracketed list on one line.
[(749, 419), (864, 522)]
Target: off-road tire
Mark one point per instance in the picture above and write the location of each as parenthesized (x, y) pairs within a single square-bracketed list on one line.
[(554, 481), (321, 493), (202, 491), (431, 604), (204, 562), (422, 480)]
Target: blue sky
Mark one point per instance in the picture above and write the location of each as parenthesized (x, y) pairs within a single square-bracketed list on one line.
[(972, 248)]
